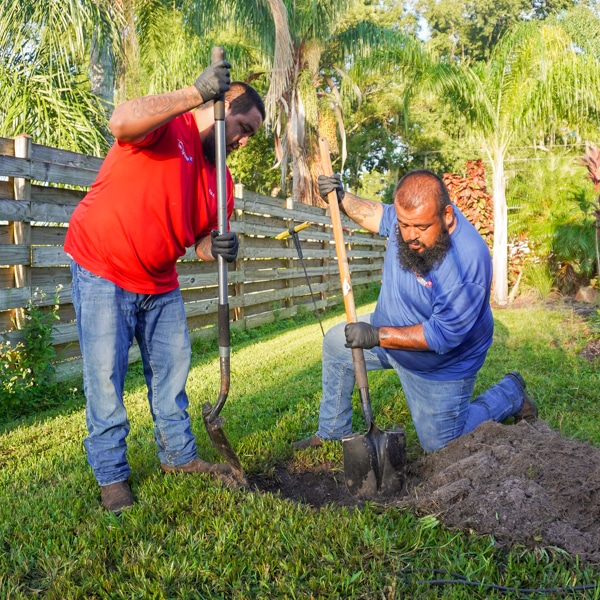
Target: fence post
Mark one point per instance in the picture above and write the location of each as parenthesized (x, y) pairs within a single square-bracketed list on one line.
[(22, 230)]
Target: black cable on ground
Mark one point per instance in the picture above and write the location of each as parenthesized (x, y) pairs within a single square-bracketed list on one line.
[(462, 580)]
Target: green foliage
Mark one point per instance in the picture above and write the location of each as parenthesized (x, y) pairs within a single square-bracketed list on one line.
[(539, 279), (46, 91), (548, 206), (26, 370), (467, 31), (255, 167)]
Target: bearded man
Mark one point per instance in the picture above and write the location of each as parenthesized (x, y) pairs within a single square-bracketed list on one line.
[(432, 323)]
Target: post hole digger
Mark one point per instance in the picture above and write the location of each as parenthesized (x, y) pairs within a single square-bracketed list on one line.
[(212, 420), (374, 462)]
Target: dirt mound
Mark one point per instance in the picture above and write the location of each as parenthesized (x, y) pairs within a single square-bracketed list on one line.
[(524, 484)]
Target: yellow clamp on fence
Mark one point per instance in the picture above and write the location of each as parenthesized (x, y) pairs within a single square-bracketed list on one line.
[(288, 232)]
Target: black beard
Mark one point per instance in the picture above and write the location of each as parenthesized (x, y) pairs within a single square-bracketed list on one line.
[(423, 262), (210, 147)]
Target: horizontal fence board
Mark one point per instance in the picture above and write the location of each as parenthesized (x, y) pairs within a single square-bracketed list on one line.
[(38, 170), (14, 210), (49, 256), (15, 254), (54, 195), (48, 235), (28, 211), (42, 294), (65, 157), (14, 297)]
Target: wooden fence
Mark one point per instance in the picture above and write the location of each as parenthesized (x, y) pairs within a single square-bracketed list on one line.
[(39, 189)]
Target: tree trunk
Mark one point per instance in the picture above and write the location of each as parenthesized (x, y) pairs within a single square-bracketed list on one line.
[(500, 253), (102, 73)]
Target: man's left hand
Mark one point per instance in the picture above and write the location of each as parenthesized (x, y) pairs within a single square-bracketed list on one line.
[(225, 245), (361, 335)]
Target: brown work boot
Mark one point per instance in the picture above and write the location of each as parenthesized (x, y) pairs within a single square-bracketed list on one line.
[(116, 496), (221, 471), (314, 441), (529, 411), (197, 465)]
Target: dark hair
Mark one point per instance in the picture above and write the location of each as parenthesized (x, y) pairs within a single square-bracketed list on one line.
[(419, 185), (243, 98)]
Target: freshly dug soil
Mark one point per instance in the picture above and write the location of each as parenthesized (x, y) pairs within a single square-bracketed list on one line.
[(524, 484)]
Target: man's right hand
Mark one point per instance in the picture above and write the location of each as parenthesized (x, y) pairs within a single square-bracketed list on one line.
[(329, 184), (224, 244), (214, 81)]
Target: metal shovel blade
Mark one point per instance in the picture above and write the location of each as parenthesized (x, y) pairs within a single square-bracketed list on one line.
[(221, 444), (375, 463)]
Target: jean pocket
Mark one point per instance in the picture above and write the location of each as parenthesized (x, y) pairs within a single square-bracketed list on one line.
[(84, 273)]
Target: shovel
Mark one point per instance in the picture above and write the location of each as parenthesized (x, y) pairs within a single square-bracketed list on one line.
[(374, 462), (213, 422)]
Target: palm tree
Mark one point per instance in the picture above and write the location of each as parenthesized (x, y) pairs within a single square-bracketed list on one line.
[(46, 92), (316, 60), (537, 85)]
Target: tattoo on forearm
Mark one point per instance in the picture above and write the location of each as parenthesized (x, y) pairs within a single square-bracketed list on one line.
[(358, 210), (149, 106)]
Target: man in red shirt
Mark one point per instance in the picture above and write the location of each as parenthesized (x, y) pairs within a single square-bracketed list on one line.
[(155, 195)]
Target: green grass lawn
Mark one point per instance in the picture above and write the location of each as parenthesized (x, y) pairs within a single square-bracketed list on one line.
[(189, 537)]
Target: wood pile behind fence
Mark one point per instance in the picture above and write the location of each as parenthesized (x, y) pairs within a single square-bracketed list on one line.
[(41, 186)]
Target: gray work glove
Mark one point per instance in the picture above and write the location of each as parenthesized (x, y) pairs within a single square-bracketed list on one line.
[(214, 81), (361, 335), (225, 245), (328, 184)]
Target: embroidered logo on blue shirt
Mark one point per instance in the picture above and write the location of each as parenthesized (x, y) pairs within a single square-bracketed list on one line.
[(183, 152), (425, 282)]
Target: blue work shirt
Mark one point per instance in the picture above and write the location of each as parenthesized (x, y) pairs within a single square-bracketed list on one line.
[(452, 302)]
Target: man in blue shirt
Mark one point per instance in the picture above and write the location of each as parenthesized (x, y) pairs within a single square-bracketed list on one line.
[(432, 323)]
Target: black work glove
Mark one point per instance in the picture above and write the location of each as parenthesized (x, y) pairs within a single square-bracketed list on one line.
[(361, 335), (214, 81), (225, 245), (328, 184)]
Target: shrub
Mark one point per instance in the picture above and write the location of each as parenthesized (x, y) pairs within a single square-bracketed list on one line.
[(26, 369)]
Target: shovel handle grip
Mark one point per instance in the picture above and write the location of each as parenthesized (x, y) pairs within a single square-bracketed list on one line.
[(358, 356), (218, 54)]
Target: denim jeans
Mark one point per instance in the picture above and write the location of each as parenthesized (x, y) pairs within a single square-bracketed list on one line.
[(441, 410), (108, 320)]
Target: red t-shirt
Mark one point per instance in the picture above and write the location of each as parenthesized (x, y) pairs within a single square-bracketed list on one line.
[(149, 203)]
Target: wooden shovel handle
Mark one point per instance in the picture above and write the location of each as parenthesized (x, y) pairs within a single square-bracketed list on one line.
[(358, 356)]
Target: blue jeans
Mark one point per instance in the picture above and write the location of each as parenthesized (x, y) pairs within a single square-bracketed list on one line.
[(441, 410), (108, 319)]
